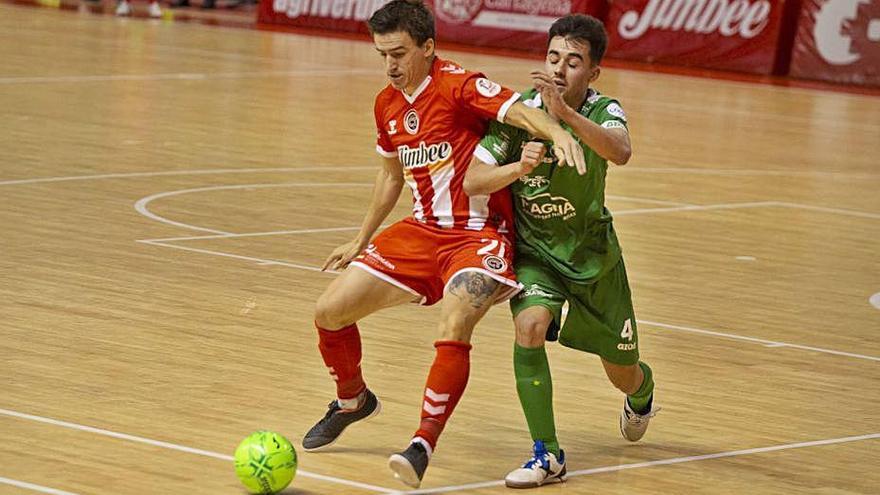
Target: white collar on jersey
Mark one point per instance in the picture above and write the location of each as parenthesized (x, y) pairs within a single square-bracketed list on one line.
[(421, 89)]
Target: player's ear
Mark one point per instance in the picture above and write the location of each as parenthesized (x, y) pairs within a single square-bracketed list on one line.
[(595, 75), (429, 47)]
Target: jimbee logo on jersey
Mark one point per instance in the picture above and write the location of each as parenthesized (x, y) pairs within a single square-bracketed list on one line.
[(488, 88), (411, 121), (494, 263)]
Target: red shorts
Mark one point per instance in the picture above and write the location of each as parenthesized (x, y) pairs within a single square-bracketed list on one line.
[(422, 259)]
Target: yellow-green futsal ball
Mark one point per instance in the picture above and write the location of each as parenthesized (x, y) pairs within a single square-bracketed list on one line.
[(265, 462)]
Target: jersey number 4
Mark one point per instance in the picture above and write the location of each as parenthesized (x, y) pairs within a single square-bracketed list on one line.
[(627, 332)]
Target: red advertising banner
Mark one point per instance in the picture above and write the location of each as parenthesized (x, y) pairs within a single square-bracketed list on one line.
[(739, 35), (515, 24), (336, 15), (838, 41)]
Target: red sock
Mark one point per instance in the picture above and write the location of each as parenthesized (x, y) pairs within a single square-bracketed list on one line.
[(444, 388), (341, 350)]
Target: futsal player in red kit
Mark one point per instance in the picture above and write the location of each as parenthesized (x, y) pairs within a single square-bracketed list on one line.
[(455, 249)]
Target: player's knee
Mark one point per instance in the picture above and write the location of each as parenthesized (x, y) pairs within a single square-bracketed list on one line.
[(330, 312), (531, 331)]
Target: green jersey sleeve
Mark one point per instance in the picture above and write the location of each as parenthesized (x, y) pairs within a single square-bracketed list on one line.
[(609, 114), (500, 145)]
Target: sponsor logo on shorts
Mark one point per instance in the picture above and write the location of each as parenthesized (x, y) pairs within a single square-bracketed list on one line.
[(373, 253), (544, 206), (411, 122), (494, 263), (627, 347), (536, 290), (487, 88)]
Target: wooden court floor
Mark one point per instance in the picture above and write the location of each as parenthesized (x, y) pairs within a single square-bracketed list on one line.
[(167, 190)]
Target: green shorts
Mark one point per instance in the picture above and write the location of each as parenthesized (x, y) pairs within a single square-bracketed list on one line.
[(600, 316)]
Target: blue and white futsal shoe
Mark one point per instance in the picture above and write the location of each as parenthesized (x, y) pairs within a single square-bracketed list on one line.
[(542, 468)]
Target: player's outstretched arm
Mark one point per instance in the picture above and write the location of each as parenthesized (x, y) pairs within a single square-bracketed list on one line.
[(386, 191), (483, 178), (566, 148), (611, 144)]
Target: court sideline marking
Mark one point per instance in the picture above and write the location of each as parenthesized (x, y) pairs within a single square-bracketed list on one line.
[(662, 462), (485, 484), (33, 487), (180, 448)]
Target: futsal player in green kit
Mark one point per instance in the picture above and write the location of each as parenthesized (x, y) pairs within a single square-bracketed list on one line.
[(566, 248)]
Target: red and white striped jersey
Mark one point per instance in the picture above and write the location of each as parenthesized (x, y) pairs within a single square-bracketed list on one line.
[(433, 133)]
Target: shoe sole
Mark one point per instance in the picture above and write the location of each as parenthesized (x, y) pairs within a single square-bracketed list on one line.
[(330, 444), (403, 470), (548, 481)]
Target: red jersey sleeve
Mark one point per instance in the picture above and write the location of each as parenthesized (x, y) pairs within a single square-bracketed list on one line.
[(383, 141), (486, 98)]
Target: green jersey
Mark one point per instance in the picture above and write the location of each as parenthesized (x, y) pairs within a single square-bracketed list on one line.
[(560, 215)]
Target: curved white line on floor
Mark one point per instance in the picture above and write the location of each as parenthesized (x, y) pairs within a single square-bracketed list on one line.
[(646, 170), (142, 204)]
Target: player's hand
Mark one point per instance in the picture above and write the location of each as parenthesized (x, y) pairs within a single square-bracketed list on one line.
[(342, 256), (550, 95), (532, 155), (568, 151)]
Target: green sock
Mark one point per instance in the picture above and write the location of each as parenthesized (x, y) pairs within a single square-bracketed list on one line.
[(640, 400), (535, 389)]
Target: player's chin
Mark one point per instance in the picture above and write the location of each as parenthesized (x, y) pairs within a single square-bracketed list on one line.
[(397, 82)]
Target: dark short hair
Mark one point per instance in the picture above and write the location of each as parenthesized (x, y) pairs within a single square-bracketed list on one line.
[(582, 28), (411, 16)]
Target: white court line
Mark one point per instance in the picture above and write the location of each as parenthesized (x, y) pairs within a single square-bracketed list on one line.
[(258, 234), (188, 76), (744, 172), (768, 343), (824, 209), (701, 171), (141, 204), (646, 200), (662, 462), (180, 448), (31, 486), (672, 209), (214, 171), (260, 261)]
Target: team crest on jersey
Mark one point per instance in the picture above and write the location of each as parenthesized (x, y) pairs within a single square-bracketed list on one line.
[(488, 88), (392, 127), (494, 263), (411, 121)]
